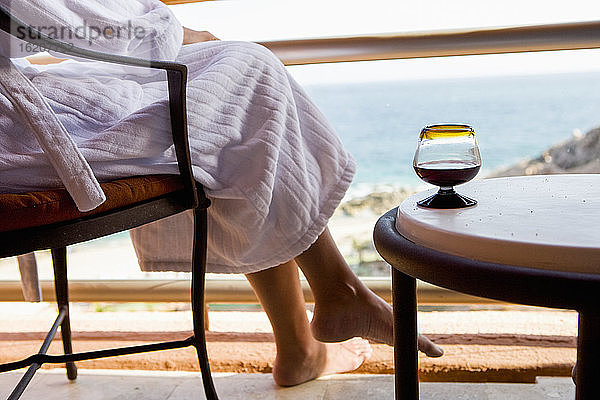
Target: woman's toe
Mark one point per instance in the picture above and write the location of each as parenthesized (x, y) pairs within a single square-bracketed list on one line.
[(429, 348)]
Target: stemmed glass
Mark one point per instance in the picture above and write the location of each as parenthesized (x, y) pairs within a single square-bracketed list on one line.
[(447, 155)]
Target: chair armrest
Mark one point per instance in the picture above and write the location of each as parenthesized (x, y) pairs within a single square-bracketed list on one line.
[(176, 77)]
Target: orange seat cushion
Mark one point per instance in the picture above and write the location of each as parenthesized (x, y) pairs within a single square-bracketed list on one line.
[(26, 210)]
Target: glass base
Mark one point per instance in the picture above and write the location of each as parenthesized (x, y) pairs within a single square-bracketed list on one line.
[(446, 199)]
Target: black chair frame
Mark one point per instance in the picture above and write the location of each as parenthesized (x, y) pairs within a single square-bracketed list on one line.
[(58, 236)]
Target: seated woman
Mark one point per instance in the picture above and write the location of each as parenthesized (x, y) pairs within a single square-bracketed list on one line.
[(271, 164)]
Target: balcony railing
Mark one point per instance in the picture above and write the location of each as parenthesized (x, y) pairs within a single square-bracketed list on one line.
[(230, 290), (566, 36)]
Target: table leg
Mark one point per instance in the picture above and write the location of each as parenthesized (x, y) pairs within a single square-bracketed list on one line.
[(588, 356), (404, 292)]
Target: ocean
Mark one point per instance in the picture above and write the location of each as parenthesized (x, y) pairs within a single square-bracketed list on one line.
[(514, 117)]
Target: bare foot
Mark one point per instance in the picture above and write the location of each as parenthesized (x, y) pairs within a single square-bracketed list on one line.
[(321, 359), (357, 311)]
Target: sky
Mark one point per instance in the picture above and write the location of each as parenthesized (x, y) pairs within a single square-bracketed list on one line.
[(261, 20)]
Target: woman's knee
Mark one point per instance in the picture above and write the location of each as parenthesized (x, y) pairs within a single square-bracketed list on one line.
[(259, 54)]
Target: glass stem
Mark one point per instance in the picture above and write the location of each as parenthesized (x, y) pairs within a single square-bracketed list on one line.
[(445, 190)]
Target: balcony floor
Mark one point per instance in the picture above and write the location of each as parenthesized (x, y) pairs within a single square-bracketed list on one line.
[(512, 346), (157, 385)]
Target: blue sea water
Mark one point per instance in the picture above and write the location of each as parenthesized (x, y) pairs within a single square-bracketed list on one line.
[(514, 118)]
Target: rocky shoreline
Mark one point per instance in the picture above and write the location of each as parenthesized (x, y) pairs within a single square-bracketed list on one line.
[(376, 202), (577, 155)]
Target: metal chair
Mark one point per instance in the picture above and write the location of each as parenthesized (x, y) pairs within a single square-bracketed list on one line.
[(50, 220)]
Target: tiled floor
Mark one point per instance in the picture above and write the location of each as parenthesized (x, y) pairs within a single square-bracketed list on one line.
[(123, 385)]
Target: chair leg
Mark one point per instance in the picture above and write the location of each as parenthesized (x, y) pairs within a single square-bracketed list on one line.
[(59, 262), (198, 275)]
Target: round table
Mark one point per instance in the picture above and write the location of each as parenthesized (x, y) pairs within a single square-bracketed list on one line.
[(531, 240)]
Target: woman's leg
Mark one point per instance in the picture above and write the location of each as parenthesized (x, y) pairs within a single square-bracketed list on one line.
[(300, 357), (344, 306)]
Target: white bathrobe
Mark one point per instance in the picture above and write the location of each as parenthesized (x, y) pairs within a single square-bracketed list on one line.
[(273, 167)]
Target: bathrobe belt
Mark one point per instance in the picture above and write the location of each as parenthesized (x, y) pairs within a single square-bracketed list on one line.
[(54, 140)]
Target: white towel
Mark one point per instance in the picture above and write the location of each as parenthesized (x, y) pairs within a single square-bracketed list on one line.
[(272, 165), (142, 28)]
